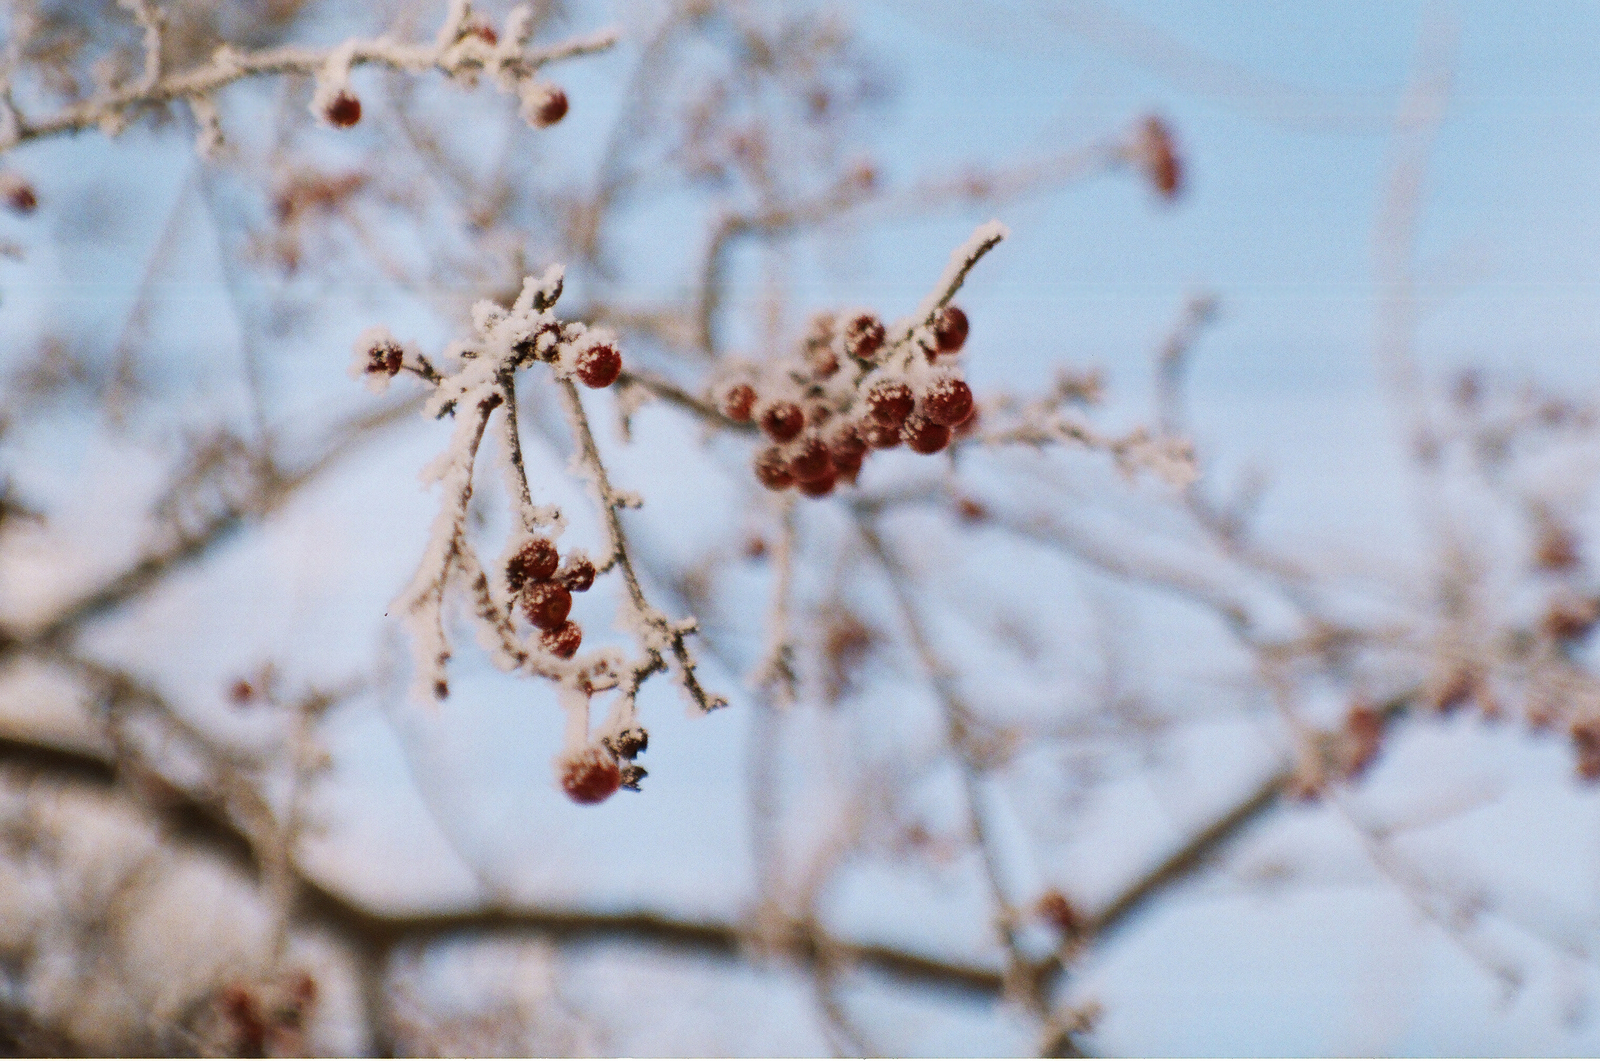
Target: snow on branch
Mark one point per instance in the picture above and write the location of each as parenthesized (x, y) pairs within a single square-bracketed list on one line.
[(519, 603), (465, 47)]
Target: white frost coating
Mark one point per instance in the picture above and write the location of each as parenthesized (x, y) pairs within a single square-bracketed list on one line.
[(332, 79)]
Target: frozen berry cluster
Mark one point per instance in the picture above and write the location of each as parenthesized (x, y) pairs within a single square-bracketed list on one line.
[(851, 391), (542, 584)]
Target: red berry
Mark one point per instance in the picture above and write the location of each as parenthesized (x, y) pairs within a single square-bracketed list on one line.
[(782, 421), (967, 426), (847, 468), (344, 110), (577, 574), (950, 329), (551, 109), (599, 365), (923, 435), (890, 402), (823, 361), (947, 401), (845, 440), (19, 194), (737, 402), (534, 562), (880, 436), (1160, 157), (818, 487), (863, 336), (546, 604), (590, 775), (564, 640), (810, 459), (773, 470), (817, 414)]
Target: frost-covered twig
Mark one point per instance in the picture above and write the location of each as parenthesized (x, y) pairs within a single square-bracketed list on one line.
[(463, 49)]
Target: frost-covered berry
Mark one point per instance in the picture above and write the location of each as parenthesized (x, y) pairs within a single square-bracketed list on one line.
[(589, 775), (344, 110), (923, 435), (599, 365), (564, 640), (546, 604), (890, 402), (947, 401), (817, 414), (821, 487), (384, 358), (737, 402), (772, 470), (879, 435), (845, 441), (810, 459), (534, 562), (550, 109), (577, 574), (782, 420), (950, 329), (863, 336)]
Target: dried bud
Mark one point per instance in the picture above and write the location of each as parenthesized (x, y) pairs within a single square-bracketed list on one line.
[(1061, 914), (632, 774), (344, 110), (863, 336), (950, 329), (1586, 742), (384, 358), (534, 562), (1570, 617), (599, 365), (589, 775)]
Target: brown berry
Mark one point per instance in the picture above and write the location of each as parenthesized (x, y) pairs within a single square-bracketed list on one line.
[(599, 365), (772, 470), (947, 401), (551, 109), (590, 775), (546, 604), (534, 562), (782, 421), (890, 402), (880, 436), (564, 640), (344, 110), (923, 435), (737, 402), (810, 459), (863, 336), (577, 574), (818, 487), (950, 329)]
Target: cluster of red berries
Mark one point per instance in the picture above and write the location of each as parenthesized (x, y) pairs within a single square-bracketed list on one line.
[(543, 585), (846, 396), (593, 773)]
